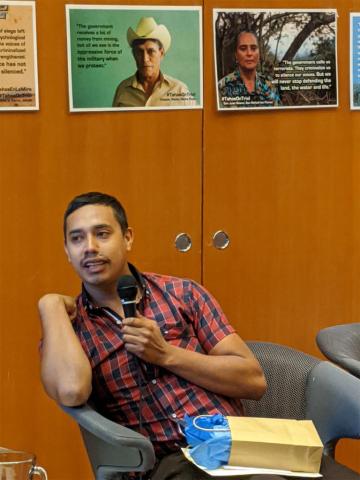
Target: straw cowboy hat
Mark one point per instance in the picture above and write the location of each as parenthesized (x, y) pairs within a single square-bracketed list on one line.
[(147, 28)]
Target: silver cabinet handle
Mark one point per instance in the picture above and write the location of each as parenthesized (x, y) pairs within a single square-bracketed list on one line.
[(183, 242), (221, 240)]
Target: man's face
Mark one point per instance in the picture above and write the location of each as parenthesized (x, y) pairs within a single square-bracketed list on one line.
[(148, 57), (247, 51), (96, 246)]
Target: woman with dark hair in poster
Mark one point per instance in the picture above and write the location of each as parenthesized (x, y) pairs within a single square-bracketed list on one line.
[(271, 59), (245, 85)]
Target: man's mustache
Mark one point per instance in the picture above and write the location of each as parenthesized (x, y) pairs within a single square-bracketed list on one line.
[(93, 258)]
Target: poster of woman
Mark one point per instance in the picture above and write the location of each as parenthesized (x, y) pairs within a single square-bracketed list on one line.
[(273, 59)]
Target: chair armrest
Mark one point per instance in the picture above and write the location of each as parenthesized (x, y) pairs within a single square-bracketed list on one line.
[(112, 433), (341, 345), (332, 397)]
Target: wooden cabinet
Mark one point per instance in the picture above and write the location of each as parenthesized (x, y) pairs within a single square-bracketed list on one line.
[(283, 185)]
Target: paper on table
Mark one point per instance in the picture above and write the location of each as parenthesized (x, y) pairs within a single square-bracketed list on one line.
[(233, 471)]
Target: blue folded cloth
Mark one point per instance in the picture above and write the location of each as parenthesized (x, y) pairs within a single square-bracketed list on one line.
[(209, 439)]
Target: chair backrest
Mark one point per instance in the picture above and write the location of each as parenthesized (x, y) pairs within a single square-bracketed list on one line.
[(301, 386), (111, 448), (286, 371), (333, 404), (341, 345)]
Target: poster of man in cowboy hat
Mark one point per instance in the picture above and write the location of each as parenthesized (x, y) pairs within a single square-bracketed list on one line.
[(134, 58), (149, 86)]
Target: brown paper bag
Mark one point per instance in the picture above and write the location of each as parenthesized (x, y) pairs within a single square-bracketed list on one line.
[(275, 443)]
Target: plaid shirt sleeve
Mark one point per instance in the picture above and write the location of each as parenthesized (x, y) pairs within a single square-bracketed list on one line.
[(210, 322)]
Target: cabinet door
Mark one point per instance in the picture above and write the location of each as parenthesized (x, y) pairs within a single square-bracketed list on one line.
[(284, 185), (140, 158), (150, 160)]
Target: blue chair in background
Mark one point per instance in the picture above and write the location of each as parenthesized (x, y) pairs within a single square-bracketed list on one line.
[(341, 345)]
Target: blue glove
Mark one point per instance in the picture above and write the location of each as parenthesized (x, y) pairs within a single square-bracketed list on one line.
[(209, 439)]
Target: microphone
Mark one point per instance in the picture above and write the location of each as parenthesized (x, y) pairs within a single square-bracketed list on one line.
[(127, 290)]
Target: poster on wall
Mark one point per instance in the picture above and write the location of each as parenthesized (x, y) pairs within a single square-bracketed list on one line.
[(134, 58), (355, 61), (275, 59), (18, 56)]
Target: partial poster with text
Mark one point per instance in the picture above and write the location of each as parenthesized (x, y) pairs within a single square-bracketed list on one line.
[(275, 59), (355, 61), (18, 56), (134, 57)]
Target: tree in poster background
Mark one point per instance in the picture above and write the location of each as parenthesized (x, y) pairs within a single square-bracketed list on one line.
[(297, 50)]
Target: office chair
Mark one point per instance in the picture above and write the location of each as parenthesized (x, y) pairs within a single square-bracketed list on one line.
[(341, 345), (112, 449), (301, 386)]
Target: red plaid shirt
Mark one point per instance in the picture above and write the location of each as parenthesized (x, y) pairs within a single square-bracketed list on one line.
[(125, 388)]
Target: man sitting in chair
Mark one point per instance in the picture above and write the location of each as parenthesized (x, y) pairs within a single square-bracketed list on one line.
[(178, 355)]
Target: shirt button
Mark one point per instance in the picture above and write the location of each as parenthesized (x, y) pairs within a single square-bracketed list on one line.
[(153, 381), (173, 415)]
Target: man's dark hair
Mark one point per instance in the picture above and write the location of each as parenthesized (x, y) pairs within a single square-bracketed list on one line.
[(97, 198)]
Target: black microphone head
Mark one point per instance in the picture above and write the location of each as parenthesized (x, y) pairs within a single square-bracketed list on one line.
[(127, 288)]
